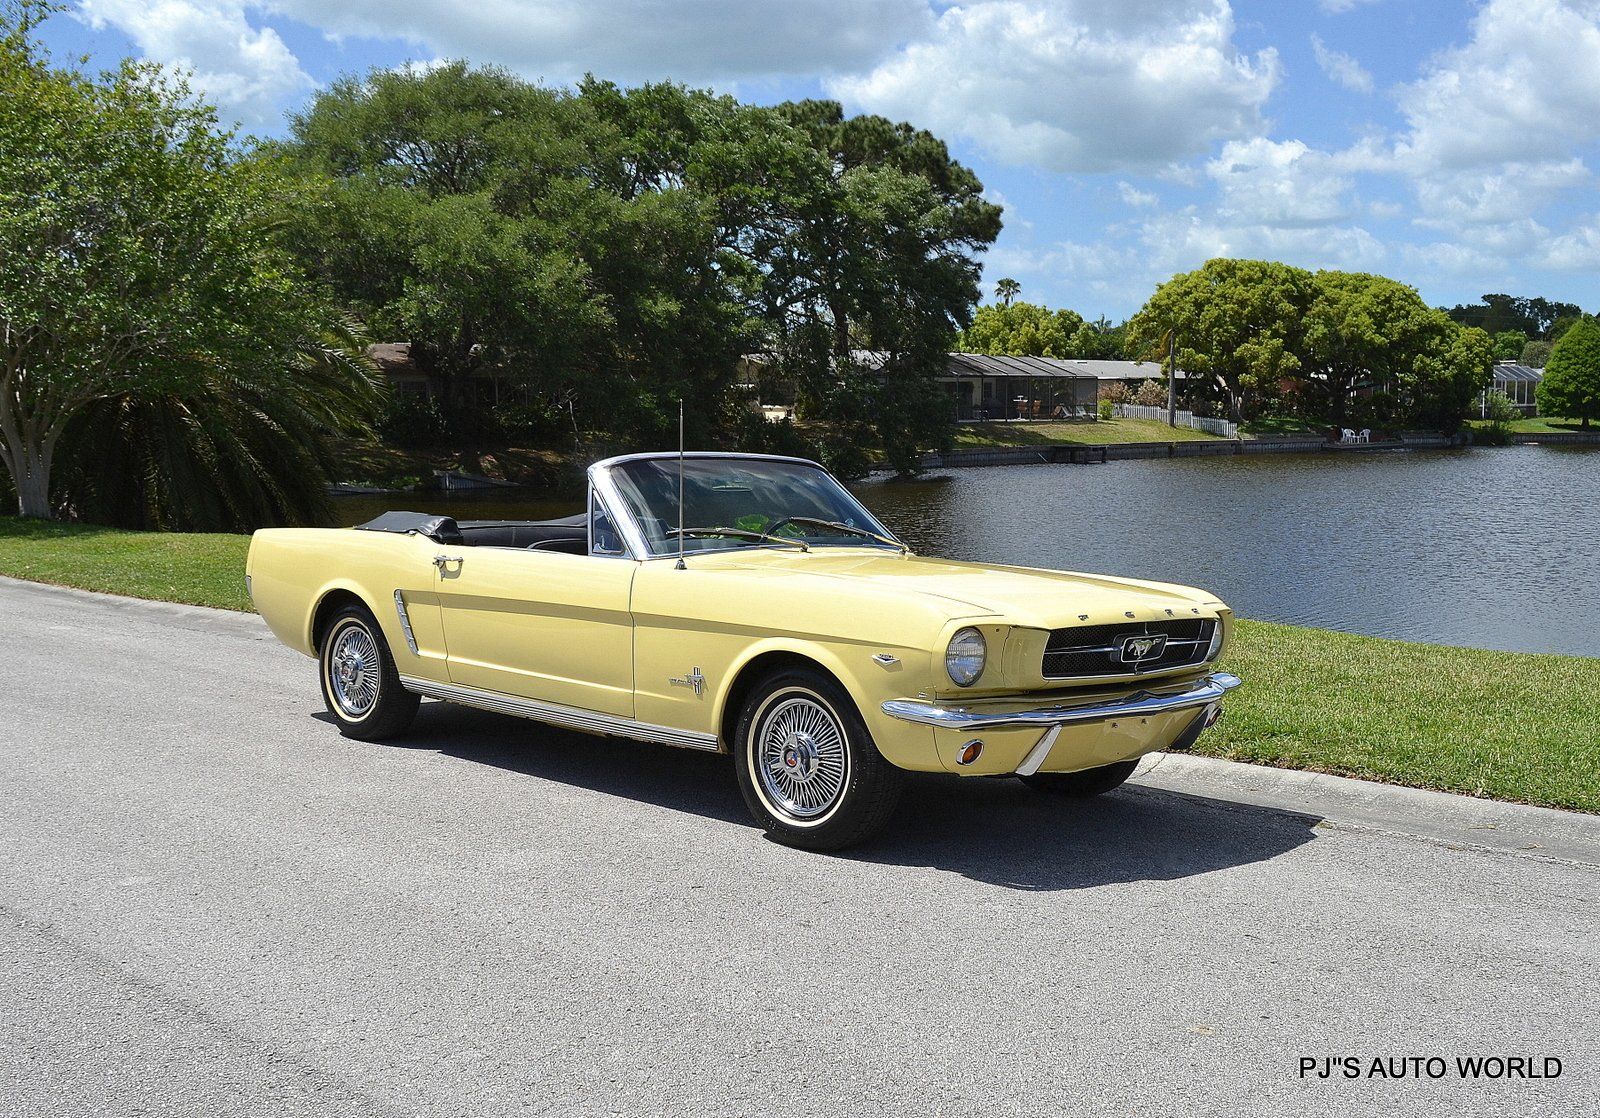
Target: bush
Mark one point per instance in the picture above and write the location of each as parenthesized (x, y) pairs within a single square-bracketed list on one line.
[(411, 422), (1499, 411), (1106, 409), (1113, 392), (1151, 394), (538, 423)]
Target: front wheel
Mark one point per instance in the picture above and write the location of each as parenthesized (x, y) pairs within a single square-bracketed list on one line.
[(807, 767), (1089, 782), (359, 682)]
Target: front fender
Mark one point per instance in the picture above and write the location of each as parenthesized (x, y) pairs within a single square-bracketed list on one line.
[(868, 682)]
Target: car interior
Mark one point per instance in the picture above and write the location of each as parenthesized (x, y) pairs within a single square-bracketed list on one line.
[(567, 534)]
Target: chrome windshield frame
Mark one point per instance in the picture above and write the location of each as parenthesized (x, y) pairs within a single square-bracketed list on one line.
[(602, 482)]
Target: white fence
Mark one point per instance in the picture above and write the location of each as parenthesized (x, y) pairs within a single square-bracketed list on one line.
[(1185, 419)]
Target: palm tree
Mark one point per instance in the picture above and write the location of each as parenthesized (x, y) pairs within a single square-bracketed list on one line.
[(233, 450), (1007, 290)]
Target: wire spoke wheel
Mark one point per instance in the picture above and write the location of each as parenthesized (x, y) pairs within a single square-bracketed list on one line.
[(354, 671), (802, 758)]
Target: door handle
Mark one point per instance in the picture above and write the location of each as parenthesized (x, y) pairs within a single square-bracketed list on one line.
[(443, 561)]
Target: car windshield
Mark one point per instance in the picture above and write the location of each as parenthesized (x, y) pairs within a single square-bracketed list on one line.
[(759, 502)]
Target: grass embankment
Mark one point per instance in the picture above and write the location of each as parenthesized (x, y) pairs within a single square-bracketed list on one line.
[(1505, 725), (1087, 433), (200, 570), (1541, 425)]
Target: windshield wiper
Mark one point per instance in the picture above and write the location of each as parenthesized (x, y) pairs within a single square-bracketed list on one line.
[(740, 534), (852, 530)]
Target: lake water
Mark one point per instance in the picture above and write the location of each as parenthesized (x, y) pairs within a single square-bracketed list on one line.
[(1486, 548)]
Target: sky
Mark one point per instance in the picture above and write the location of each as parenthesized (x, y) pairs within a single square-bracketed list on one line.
[(1451, 144)]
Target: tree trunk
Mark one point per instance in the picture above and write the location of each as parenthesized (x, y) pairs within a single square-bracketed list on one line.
[(30, 472)]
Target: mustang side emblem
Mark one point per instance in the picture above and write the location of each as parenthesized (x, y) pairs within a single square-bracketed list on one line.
[(697, 682), (1138, 647)]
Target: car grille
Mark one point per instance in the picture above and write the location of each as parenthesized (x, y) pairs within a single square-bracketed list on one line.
[(1090, 650)]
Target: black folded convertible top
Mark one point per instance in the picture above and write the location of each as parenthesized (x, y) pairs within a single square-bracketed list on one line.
[(441, 528)]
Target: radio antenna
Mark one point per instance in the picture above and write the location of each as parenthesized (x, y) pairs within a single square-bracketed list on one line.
[(680, 483)]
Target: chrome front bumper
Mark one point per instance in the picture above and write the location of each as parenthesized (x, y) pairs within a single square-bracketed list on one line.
[(1203, 693)]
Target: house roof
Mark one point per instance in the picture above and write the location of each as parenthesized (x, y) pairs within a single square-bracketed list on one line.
[(1511, 372), (392, 358), (985, 365), (1123, 370)]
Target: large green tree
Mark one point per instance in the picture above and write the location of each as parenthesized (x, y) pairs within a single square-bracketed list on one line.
[(137, 261), (622, 249), (1373, 332), (1237, 323), (1021, 330), (1571, 384), (866, 236)]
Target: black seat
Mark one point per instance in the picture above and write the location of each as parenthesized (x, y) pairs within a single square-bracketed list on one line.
[(523, 533)]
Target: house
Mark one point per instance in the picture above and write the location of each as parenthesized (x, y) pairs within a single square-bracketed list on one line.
[(985, 387), (1520, 384), (981, 387), (410, 379), (1129, 374)]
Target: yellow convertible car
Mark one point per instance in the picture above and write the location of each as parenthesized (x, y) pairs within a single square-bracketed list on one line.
[(750, 605)]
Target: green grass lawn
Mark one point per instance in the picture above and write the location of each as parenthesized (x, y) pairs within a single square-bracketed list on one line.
[(1541, 425), (1509, 726), (976, 435), (201, 570)]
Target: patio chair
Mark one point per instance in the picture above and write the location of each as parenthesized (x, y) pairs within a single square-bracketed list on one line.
[(1365, 436), (1347, 436)]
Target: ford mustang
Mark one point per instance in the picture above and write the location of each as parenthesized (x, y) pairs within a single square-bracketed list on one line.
[(750, 605)]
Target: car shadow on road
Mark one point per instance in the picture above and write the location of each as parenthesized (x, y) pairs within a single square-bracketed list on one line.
[(991, 830)]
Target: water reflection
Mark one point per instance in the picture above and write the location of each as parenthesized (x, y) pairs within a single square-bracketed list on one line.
[(1487, 548)]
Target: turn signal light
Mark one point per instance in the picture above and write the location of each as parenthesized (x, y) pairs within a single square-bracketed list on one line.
[(970, 752)]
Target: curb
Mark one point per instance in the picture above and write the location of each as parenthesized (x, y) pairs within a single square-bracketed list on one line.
[(1446, 818)]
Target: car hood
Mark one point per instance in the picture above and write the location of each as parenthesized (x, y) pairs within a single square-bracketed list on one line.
[(1020, 595)]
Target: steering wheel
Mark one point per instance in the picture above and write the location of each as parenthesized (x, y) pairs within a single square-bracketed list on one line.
[(772, 529)]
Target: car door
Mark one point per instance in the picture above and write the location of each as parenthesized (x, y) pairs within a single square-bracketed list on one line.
[(539, 625)]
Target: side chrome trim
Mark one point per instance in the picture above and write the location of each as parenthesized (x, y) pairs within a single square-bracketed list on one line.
[(405, 622), (1203, 693), (557, 715)]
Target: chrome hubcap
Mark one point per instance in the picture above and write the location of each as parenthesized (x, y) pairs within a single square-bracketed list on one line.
[(353, 671), (801, 757)]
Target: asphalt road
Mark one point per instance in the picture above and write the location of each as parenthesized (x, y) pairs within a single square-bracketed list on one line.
[(210, 903)]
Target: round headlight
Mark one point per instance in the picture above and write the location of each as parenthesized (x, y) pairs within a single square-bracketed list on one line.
[(963, 660)]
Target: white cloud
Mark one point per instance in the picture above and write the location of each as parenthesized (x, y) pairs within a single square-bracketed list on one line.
[(1341, 68), (631, 40), (1077, 85), (1577, 250), (248, 71), (1525, 87), (1456, 199), (1335, 7), (1133, 196), (1279, 183)]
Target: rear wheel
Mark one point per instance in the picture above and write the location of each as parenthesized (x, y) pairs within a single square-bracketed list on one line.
[(1089, 782), (807, 767), (359, 682)]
